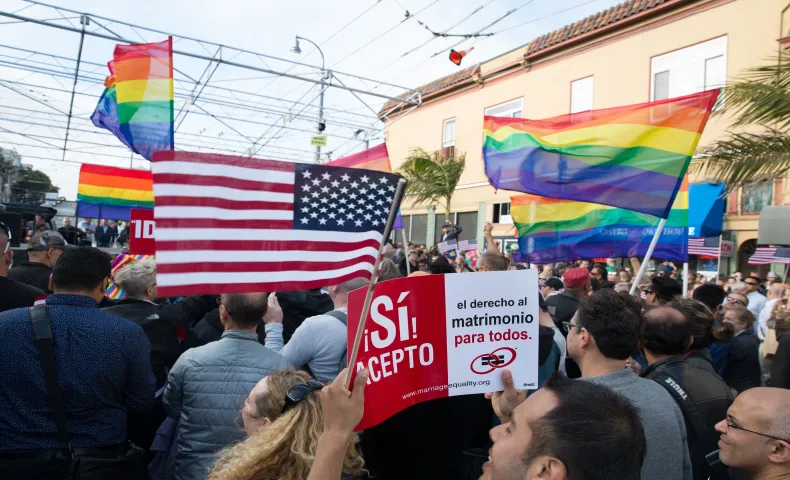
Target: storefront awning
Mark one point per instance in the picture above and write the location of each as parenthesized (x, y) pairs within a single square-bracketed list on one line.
[(706, 209), (774, 226)]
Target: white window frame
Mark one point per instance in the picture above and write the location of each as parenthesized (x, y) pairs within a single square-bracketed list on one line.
[(687, 68), (451, 142), (504, 219), (582, 94), (512, 108)]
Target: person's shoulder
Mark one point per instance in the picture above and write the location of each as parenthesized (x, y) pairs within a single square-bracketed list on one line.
[(120, 324), (16, 289)]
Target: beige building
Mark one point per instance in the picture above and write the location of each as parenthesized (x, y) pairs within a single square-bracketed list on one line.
[(638, 51)]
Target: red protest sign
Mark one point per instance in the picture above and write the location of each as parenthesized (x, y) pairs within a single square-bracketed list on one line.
[(435, 336), (141, 232)]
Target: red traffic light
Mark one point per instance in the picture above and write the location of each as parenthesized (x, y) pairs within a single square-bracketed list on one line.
[(456, 57)]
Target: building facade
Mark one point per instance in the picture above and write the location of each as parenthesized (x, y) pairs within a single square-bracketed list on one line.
[(638, 51)]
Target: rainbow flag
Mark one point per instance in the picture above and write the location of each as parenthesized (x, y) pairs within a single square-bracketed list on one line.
[(111, 192), (376, 158), (553, 230), (137, 105), (632, 157)]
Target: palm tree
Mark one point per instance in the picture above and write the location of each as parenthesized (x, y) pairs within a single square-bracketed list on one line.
[(432, 177), (760, 97)]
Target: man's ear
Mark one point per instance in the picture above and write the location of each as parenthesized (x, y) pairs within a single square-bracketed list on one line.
[(546, 468), (780, 453)]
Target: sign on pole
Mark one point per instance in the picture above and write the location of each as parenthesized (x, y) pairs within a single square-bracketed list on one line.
[(436, 336), (727, 248), (318, 141), (141, 233)]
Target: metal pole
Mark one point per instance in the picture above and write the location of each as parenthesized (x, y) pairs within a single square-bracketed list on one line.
[(84, 23), (320, 125), (649, 254), (686, 280), (718, 262), (406, 252), (352, 359)]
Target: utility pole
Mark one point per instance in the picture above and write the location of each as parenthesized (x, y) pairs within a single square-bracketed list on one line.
[(321, 125)]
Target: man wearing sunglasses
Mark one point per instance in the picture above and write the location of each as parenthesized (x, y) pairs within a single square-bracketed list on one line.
[(13, 294), (756, 299), (43, 251), (755, 436)]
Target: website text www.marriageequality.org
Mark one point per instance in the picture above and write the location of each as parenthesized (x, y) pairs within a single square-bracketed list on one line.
[(469, 383)]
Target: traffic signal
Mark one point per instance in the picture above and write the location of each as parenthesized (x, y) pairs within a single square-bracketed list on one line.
[(456, 57)]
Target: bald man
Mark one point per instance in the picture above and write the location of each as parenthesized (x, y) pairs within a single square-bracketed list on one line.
[(755, 436), (13, 294)]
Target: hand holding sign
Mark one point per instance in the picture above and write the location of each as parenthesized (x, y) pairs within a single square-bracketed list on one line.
[(507, 400)]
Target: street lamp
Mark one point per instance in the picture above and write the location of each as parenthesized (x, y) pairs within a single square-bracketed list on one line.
[(321, 125)]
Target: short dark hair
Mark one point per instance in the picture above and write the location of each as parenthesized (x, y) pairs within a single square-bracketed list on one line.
[(246, 309), (666, 288), (495, 261), (612, 322), (753, 278), (593, 431), (666, 331), (709, 294), (441, 265), (81, 269)]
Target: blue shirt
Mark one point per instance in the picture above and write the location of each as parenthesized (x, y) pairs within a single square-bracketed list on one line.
[(104, 369)]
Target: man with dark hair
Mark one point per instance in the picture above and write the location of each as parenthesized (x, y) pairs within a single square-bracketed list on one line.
[(702, 396), (756, 299), (102, 362), (412, 258), (206, 383), (711, 295), (602, 334), (566, 431), (662, 290), (13, 294), (552, 286), (43, 250)]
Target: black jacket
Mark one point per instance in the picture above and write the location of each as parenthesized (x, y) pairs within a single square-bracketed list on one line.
[(402, 266), (452, 233), (159, 323), (33, 274), (701, 358), (14, 294), (71, 234), (780, 369), (708, 393), (742, 366), (562, 307)]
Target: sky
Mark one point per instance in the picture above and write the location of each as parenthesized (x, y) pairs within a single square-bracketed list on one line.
[(242, 110)]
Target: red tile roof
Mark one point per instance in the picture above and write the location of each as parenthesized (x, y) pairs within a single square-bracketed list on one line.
[(616, 15)]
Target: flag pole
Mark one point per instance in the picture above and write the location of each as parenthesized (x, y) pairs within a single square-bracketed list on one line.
[(649, 254), (718, 262), (352, 360), (406, 251), (686, 280)]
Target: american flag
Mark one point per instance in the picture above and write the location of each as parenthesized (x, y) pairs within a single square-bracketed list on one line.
[(447, 246), (228, 224), (708, 246), (769, 255), (466, 245)]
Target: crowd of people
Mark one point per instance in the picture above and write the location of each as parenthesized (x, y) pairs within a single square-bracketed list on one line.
[(251, 386)]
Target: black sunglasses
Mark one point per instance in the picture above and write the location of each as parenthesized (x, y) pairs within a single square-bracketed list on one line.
[(298, 393)]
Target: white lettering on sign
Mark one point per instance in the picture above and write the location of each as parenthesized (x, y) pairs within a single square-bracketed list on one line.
[(692, 231), (390, 327), (144, 228)]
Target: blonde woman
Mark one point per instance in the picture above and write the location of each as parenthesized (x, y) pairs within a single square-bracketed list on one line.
[(284, 419)]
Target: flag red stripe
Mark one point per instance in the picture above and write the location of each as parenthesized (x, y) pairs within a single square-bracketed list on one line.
[(214, 181), (263, 245), (216, 289), (214, 223), (216, 159), (220, 203), (239, 267)]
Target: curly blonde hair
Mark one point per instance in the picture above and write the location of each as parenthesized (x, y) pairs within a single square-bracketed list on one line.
[(285, 450)]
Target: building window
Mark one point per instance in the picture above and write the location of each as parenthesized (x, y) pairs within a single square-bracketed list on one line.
[(502, 213), (513, 109), (448, 138), (416, 228), (689, 70), (582, 95), (757, 196)]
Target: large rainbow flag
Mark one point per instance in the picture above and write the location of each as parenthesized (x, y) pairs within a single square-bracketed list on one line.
[(111, 192), (376, 158), (137, 105), (554, 230), (632, 157)]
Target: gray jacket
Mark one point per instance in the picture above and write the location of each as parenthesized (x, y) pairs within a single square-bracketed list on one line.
[(665, 429), (206, 390)]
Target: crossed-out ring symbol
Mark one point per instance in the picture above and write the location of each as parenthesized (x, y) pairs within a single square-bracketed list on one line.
[(488, 362)]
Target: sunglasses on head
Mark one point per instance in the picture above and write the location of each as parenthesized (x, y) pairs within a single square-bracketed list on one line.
[(298, 393), (737, 300)]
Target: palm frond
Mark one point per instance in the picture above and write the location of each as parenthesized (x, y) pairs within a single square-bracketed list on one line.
[(761, 95), (431, 177), (743, 158)]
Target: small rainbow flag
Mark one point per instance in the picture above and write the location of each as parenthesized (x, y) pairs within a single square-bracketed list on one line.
[(114, 292), (553, 230), (115, 186), (137, 105), (632, 157)]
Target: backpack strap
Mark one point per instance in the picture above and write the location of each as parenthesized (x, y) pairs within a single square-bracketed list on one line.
[(43, 340), (343, 317)]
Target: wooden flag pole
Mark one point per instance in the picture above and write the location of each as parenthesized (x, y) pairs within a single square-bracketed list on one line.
[(352, 360), (649, 254)]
